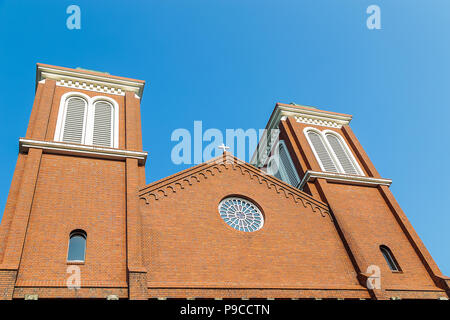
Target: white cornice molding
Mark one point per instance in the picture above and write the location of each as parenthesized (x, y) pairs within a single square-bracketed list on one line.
[(81, 150), (344, 178), (87, 81), (303, 114), (308, 115)]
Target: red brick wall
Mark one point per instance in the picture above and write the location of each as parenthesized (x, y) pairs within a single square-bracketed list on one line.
[(366, 218), (76, 193), (188, 245)]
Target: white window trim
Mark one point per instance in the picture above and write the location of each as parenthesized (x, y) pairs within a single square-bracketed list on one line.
[(88, 126), (333, 156)]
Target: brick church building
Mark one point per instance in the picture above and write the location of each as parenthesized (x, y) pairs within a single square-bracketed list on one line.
[(323, 225)]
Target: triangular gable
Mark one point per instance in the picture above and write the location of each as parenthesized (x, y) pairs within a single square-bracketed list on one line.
[(183, 179)]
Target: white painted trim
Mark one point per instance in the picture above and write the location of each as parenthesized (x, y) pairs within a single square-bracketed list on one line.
[(88, 126), (344, 178), (88, 81), (83, 150), (346, 149)]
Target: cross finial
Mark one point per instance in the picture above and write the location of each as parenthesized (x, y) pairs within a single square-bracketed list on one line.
[(223, 147)]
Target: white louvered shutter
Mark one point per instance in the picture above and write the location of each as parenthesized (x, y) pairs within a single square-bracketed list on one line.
[(103, 124), (288, 169), (322, 152), (342, 155), (74, 120)]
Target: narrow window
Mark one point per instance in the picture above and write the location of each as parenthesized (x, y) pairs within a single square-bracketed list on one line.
[(274, 168), (77, 246), (74, 120), (288, 172), (389, 257), (342, 155), (321, 152), (103, 124)]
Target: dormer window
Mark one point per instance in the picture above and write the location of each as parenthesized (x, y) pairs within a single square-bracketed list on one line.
[(86, 120)]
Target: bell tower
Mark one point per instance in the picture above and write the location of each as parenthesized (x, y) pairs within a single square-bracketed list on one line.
[(78, 172), (332, 166)]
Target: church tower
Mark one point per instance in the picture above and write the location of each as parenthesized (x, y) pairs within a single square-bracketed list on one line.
[(78, 172), (320, 154)]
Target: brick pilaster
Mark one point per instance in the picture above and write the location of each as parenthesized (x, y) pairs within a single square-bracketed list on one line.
[(44, 109), (19, 224)]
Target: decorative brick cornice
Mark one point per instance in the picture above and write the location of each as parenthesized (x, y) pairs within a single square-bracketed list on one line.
[(184, 179)]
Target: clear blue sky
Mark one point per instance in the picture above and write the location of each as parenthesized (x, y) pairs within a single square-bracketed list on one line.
[(226, 62)]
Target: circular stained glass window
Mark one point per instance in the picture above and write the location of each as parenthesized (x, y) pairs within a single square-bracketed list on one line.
[(241, 214)]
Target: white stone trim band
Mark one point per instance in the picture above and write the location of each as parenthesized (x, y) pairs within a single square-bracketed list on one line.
[(344, 178), (81, 150)]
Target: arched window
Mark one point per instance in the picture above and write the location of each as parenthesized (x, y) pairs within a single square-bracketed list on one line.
[(332, 152), (343, 155), (103, 132), (389, 257), (74, 127), (321, 152), (282, 167), (287, 169), (88, 120), (77, 246)]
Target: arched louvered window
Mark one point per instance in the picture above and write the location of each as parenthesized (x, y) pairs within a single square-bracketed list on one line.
[(389, 257), (77, 246), (74, 127), (287, 169), (103, 124), (88, 120), (274, 170), (332, 152), (282, 167), (321, 151), (344, 157)]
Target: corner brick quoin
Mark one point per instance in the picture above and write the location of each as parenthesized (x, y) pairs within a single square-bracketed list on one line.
[(219, 165)]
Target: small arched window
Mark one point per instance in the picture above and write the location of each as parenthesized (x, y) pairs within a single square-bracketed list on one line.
[(389, 257), (77, 246), (103, 133), (74, 127)]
